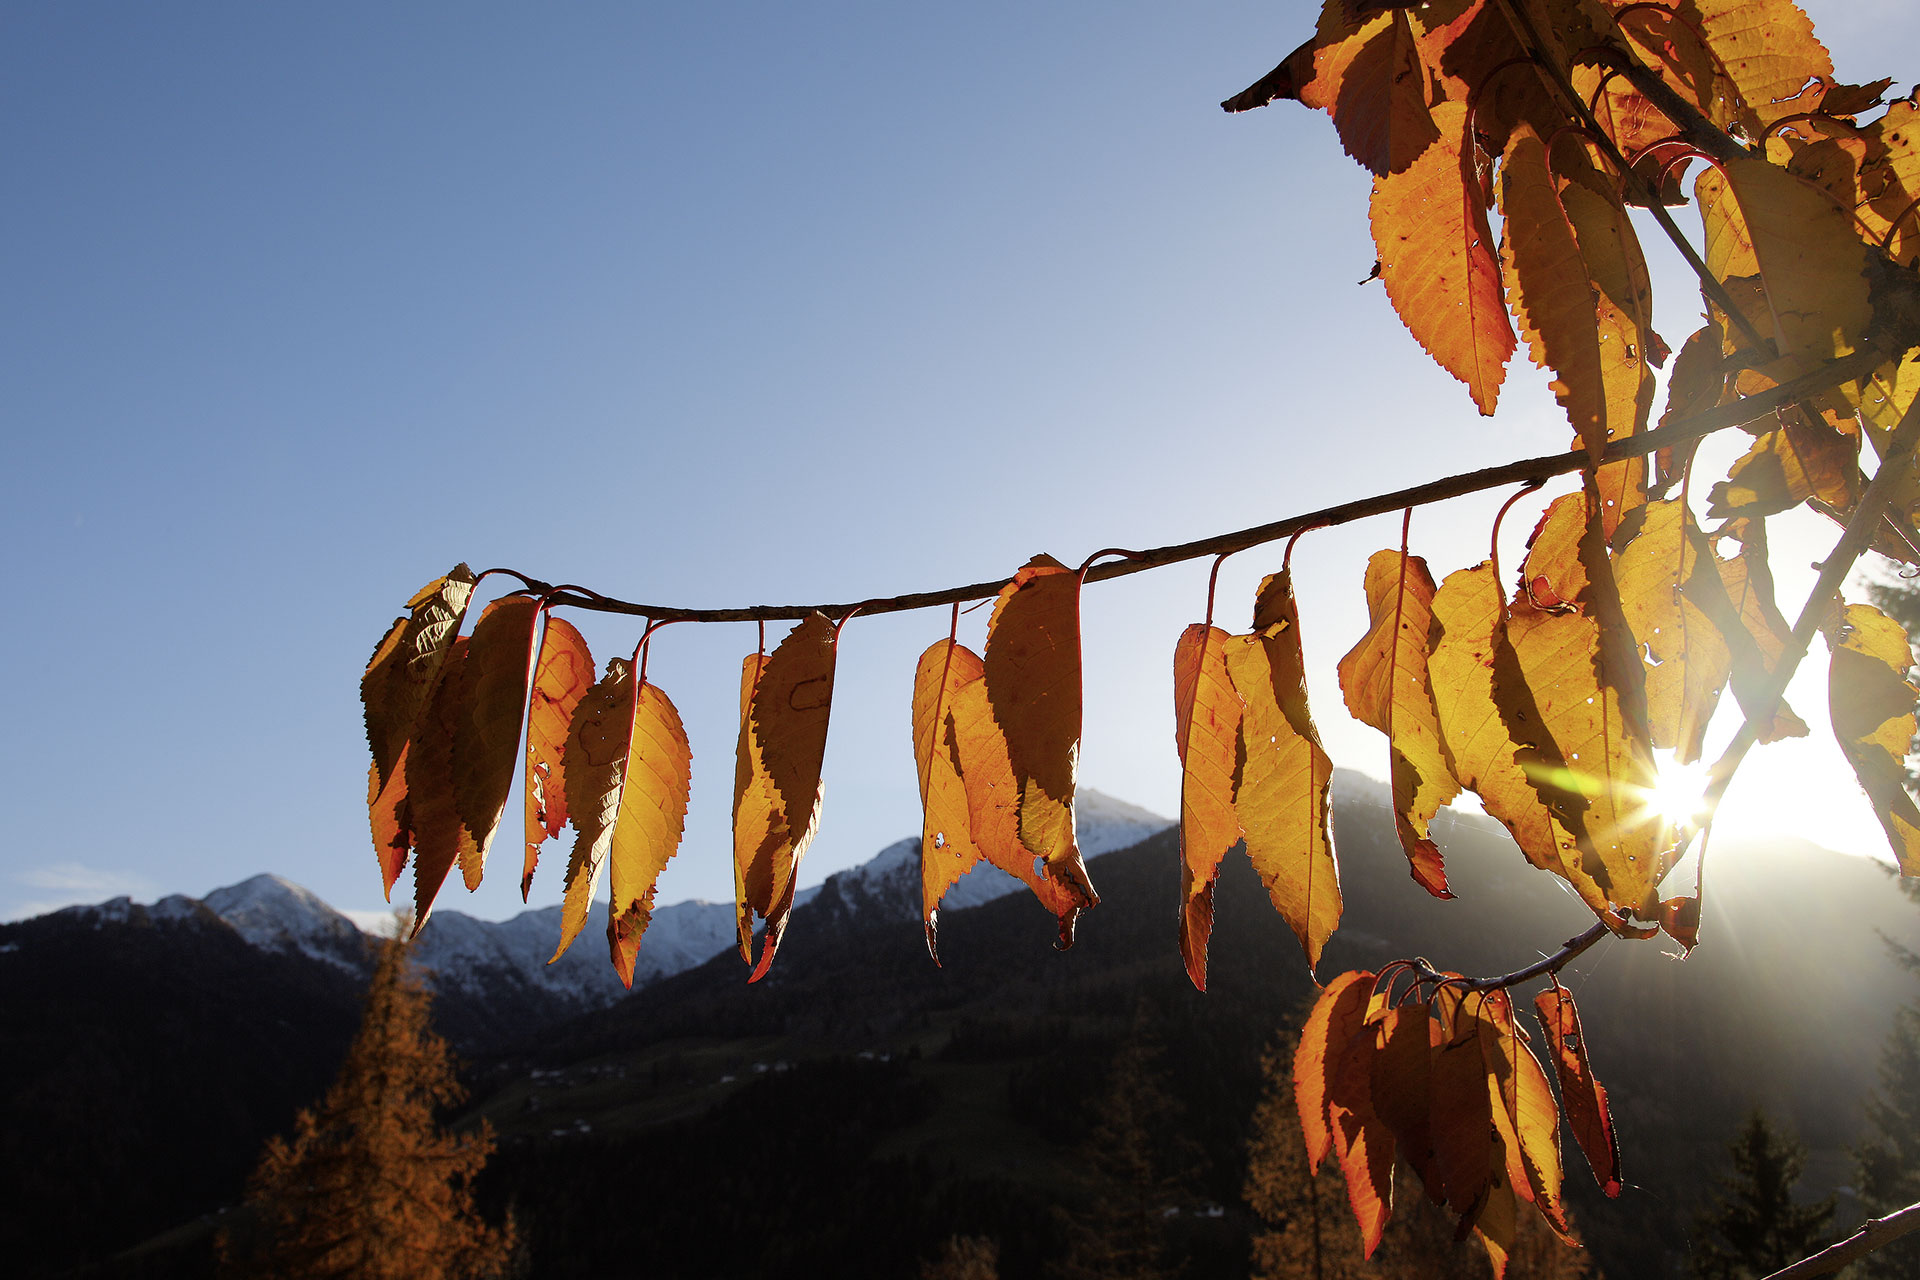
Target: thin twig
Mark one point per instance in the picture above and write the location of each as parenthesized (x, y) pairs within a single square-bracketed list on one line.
[(1876, 1233), (1747, 409)]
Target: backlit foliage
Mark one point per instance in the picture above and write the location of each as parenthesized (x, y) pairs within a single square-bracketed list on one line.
[(1516, 148)]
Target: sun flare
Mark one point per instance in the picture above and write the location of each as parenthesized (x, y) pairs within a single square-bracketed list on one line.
[(1679, 792)]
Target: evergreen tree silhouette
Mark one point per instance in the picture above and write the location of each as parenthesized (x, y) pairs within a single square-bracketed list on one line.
[(1754, 1227), (369, 1186), (1307, 1231)]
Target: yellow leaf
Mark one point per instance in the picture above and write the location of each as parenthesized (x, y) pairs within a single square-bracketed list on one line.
[(1767, 49), (1281, 804), (1470, 623), (395, 690), (561, 678), (1871, 701), (652, 816), (486, 737), (1207, 734), (993, 812), (1727, 246), (1750, 621), (1524, 1115), (1385, 683), (1784, 468), (1437, 261), (947, 851), (598, 740), (1811, 264), (1552, 571), (1033, 684), (776, 798), (1688, 660)]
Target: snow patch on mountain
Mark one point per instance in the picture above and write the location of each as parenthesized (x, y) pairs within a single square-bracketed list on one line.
[(275, 914)]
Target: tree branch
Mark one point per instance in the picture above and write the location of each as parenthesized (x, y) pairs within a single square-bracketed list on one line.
[(1747, 409), (1876, 1233)]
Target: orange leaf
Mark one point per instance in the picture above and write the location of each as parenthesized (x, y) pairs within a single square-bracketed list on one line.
[(947, 851), (562, 677), (1460, 1120), (1471, 625), (1362, 1141), (1784, 468), (486, 737), (1385, 683), (1437, 261), (1381, 105), (1281, 803), (1207, 734), (785, 701), (1033, 685), (1336, 1016), (395, 691), (652, 816), (1680, 920), (1585, 1097), (598, 741), (426, 780), (1661, 568), (1524, 1115), (993, 812), (1871, 702), (1399, 1089)]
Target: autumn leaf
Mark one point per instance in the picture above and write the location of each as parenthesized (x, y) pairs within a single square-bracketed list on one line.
[(1751, 622), (993, 811), (486, 737), (1460, 1120), (1784, 468), (1470, 630), (1524, 1115), (1588, 1115), (1336, 1016), (1871, 703), (1362, 1142), (1385, 682), (1765, 47), (1380, 103), (1281, 803), (947, 850), (561, 678), (1207, 735), (598, 740), (1680, 920), (395, 690), (426, 776), (1033, 684), (652, 815), (1399, 1088), (785, 700), (1552, 572), (1438, 264), (1662, 566)]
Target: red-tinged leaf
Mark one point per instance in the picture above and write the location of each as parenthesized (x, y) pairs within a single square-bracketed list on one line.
[(598, 741), (1399, 1089), (1662, 567), (776, 806), (993, 812), (1033, 685), (1470, 623), (1284, 774), (560, 680), (1467, 46), (399, 683), (1362, 1141), (1585, 1097), (1871, 703), (439, 839), (652, 816), (1680, 920), (1552, 573), (1698, 381), (1283, 82), (1438, 264), (1335, 1018), (1384, 680), (486, 738), (1207, 735), (1381, 105), (947, 850)]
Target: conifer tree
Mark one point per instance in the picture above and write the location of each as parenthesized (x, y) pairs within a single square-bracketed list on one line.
[(964, 1258), (1306, 1232), (369, 1186), (1889, 1162), (1754, 1227)]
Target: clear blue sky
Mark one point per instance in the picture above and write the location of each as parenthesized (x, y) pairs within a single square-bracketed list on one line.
[(714, 304)]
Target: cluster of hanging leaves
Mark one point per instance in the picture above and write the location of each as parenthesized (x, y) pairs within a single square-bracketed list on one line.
[(1441, 1079)]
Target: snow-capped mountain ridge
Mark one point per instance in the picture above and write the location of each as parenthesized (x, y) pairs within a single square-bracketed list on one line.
[(484, 958)]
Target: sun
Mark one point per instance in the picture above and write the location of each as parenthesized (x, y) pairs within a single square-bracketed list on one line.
[(1679, 791)]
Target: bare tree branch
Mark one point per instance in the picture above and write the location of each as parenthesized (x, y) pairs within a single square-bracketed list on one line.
[(1878, 1232)]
